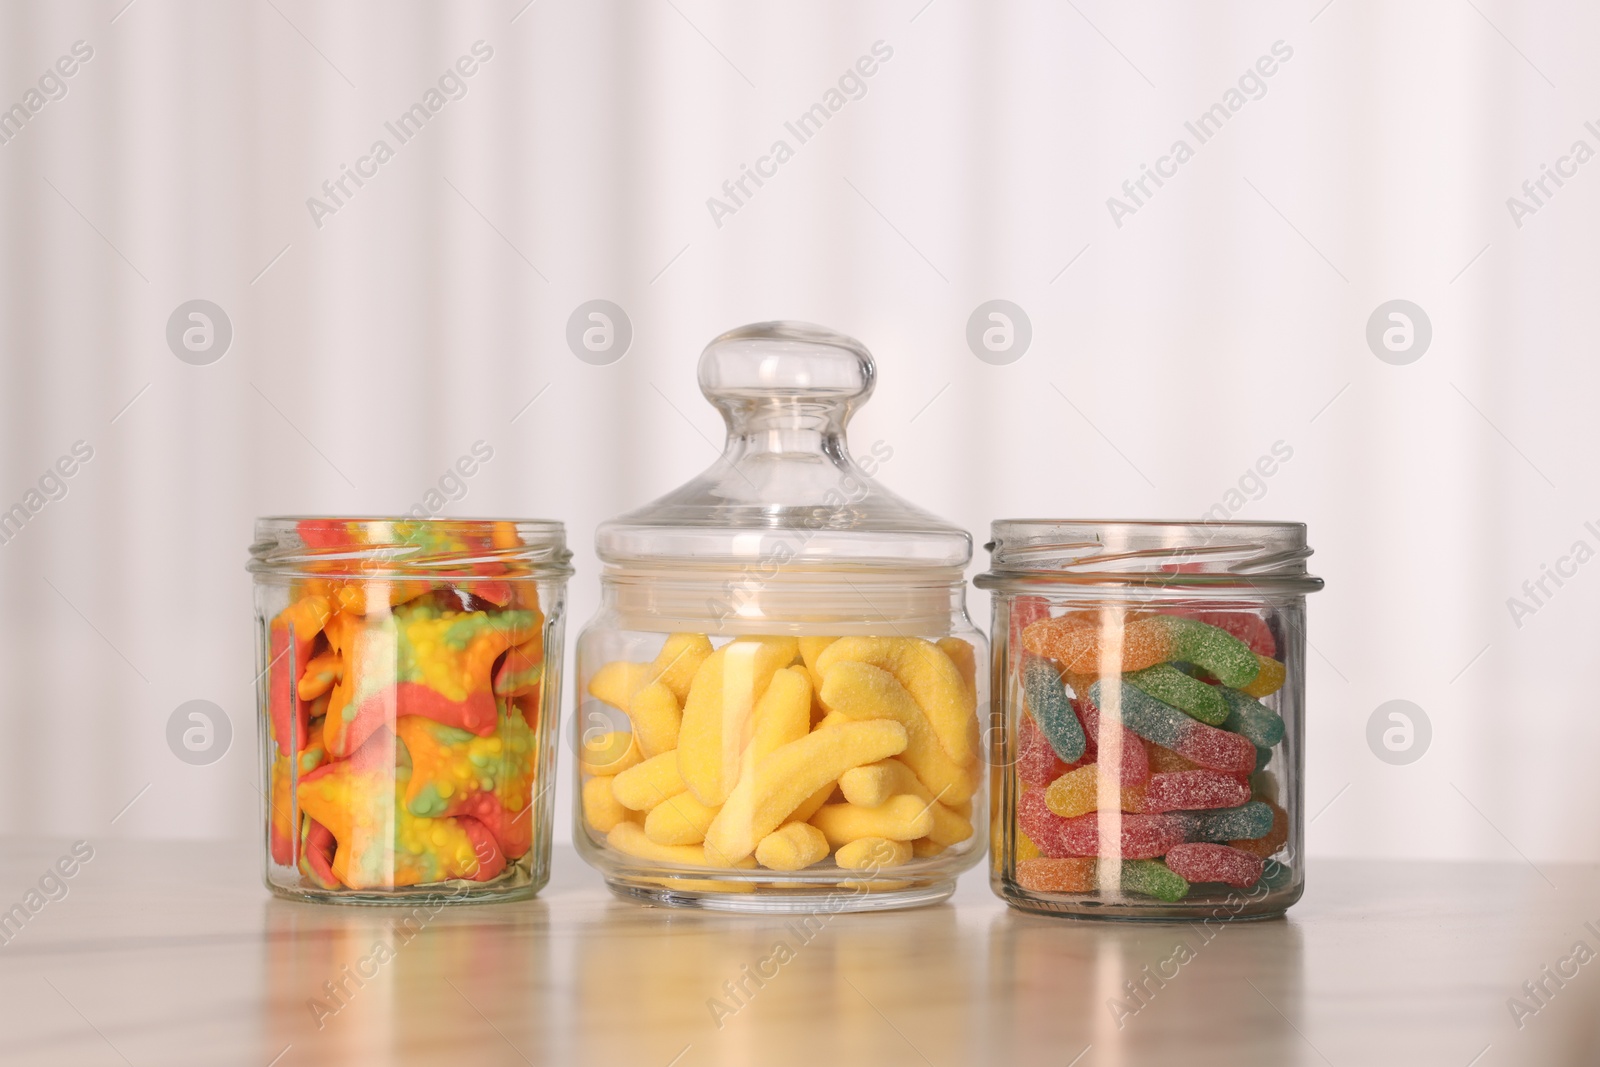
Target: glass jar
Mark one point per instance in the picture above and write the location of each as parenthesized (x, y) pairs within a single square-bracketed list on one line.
[(1149, 742), (778, 696), (410, 671)]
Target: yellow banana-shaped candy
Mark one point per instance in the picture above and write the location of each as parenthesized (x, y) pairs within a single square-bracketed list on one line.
[(716, 715), (860, 691), (792, 847), (933, 681), (902, 818), (788, 777), (871, 853), (650, 783)]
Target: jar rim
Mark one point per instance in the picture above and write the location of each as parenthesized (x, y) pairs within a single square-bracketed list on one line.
[(1192, 555), (377, 546)]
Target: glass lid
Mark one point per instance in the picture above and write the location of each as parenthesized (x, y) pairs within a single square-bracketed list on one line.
[(785, 490)]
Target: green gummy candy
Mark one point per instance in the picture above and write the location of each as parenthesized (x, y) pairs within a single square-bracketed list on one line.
[(1259, 724), (1216, 651), (1193, 697), (1152, 878), (1263, 757), (1244, 823)]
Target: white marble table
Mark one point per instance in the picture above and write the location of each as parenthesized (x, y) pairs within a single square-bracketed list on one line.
[(174, 954)]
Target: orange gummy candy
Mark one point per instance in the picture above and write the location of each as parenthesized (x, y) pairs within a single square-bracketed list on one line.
[(1045, 875), (1074, 641)]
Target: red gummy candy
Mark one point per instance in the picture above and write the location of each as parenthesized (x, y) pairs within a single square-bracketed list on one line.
[(1037, 763), (1247, 626), (491, 861), (1135, 768), (1144, 837), (1193, 791), (1202, 862), (317, 859)]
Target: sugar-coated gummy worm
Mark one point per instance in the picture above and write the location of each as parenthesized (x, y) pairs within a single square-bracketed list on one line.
[(1047, 700), (1082, 875), (933, 681), (1189, 695), (1216, 651), (1268, 680), (1134, 766), (1143, 836), (1074, 642), (1164, 724), (1192, 791), (1244, 822), (1065, 874), (1153, 878), (1202, 862), (861, 692), (1077, 792), (1250, 719), (763, 801), (717, 712), (1274, 838), (1036, 762)]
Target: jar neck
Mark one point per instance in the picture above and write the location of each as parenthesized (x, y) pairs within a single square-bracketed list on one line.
[(783, 426), (719, 601)]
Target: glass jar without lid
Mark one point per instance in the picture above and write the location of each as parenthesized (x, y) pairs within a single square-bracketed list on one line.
[(1149, 748), (410, 680), (778, 696)]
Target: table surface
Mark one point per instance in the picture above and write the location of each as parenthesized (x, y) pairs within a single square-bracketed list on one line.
[(173, 953)]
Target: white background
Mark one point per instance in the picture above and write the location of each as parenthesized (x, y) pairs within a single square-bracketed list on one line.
[(1228, 314)]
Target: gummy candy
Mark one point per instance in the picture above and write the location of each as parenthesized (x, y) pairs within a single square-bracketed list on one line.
[(1135, 763), (1192, 791), (933, 681), (1078, 792), (1200, 862), (1143, 836), (1268, 680), (1046, 698), (1060, 875), (1171, 686), (1247, 626), (1037, 763), (404, 712), (1070, 875), (1273, 840), (1205, 745), (1153, 878), (1245, 821), (1252, 720)]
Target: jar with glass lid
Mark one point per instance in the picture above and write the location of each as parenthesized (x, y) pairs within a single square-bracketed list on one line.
[(778, 697)]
